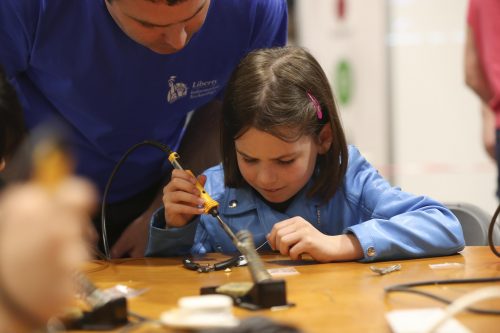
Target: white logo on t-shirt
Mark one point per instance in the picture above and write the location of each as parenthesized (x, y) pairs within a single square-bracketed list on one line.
[(204, 88), (175, 90)]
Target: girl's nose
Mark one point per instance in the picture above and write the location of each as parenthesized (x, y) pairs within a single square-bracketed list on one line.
[(266, 177)]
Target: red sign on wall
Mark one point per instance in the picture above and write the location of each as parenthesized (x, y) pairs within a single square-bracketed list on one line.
[(340, 9)]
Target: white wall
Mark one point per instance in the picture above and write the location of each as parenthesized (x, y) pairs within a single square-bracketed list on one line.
[(357, 37), (411, 114), (437, 134)]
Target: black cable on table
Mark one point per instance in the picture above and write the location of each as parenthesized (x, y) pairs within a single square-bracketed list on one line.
[(409, 288), (490, 232)]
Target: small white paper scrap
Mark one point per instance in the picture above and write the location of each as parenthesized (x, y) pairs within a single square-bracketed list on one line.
[(283, 271), (121, 290), (446, 265), (421, 320)]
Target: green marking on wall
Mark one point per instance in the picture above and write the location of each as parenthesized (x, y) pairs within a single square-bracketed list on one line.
[(343, 82)]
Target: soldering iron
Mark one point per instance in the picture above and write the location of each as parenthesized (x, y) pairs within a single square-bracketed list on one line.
[(210, 206), (264, 292), (243, 241)]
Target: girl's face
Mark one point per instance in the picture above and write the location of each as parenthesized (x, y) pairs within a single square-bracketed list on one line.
[(275, 168)]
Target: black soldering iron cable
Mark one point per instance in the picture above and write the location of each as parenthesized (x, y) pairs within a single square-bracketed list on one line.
[(491, 229), (118, 165)]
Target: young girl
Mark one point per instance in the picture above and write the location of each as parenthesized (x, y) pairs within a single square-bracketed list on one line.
[(289, 177)]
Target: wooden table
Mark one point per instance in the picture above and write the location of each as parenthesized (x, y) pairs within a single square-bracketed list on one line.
[(342, 297)]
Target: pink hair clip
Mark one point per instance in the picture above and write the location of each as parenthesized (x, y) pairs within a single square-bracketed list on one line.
[(316, 105)]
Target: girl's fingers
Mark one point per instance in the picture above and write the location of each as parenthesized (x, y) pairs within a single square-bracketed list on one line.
[(272, 236), (202, 179), (183, 174), (179, 184), (176, 209), (182, 197), (281, 233), (289, 241), (297, 250), (270, 241)]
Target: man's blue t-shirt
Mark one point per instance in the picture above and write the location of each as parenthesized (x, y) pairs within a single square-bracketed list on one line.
[(70, 61)]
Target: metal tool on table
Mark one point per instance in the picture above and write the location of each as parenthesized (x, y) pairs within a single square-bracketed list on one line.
[(385, 270), (218, 266), (264, 292), (105, 313)]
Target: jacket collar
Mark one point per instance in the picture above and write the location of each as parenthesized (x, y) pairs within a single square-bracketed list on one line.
[(241, 200), (238, 201)]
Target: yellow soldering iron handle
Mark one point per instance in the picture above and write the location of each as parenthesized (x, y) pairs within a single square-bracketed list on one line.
[(210, 205), (50, 163)]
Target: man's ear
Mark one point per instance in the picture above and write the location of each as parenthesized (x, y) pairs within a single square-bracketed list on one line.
[(2, 164), (325, 139)]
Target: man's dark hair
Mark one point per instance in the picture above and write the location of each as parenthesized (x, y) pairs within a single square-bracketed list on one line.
[(272, 90), (12, 130)]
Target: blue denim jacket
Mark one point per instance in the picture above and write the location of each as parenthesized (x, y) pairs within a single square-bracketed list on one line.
[(389, 223)]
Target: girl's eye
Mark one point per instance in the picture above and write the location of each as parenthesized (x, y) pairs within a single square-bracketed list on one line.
[(249, 160), (286, 162)]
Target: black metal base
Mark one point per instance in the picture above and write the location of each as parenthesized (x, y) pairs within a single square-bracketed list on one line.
[(263, 295), (109, 316)]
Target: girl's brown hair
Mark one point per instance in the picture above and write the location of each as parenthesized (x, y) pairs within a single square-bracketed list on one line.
[(269, 91)]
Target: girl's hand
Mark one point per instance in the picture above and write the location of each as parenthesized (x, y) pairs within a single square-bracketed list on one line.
[(181, 198), (296, 236)]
